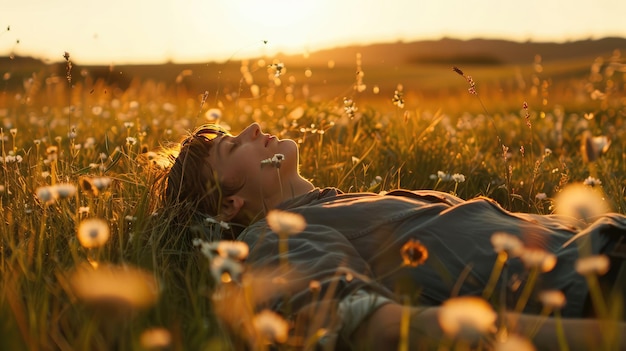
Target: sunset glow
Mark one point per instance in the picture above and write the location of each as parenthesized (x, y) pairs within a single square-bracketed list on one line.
[(194, 30)]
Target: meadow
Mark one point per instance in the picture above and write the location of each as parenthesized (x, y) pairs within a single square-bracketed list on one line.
[(88, 258)]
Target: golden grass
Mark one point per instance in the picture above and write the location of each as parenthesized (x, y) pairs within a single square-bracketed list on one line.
[(100, 130)]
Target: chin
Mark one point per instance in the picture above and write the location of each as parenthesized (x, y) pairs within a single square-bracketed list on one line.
[(289, 148)]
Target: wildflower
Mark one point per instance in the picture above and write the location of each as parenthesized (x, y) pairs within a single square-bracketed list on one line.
[(398, 99), (52, 153), (596, 264), (443, 176), (83, 210), (131, 141), (554, 299), (120, 287), (275, 160), (541, 196), (46, 194), (591, 181), (13, 132), (466, 314), (129, 125), (285, 223), (580, 201), (538, 258), (97, 110), (547, 152), (155, 339), (508, 243), (226, 270), (278, 68), (413, 253), (210, 220), (213, 114), (65, 190), (93, 232), (457, 177), (349, 107), (237, 250), (270, 326)]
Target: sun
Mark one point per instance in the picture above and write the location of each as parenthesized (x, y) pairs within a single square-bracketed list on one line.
[(284, 25)]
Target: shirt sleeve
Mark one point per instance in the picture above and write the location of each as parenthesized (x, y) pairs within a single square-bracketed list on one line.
[(323, 274)]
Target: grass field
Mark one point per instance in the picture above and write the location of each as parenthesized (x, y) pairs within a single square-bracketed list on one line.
[(78, 146)]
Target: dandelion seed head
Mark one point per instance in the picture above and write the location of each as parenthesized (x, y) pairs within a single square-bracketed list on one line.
[(285, 223), (226, 270), (123, 288), (236, 250), (93, 232), (46, 195), (508, 243), (458, 178), (554, 299), (466, 316), (65, 190), (591, 181), (213, 114), (580, 201), (270, 326), (595, 264), (539, 259)]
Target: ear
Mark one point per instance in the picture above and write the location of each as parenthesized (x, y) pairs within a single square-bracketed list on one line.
[(230, 207)]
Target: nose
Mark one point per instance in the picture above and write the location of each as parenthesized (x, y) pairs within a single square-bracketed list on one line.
[(251, 132)]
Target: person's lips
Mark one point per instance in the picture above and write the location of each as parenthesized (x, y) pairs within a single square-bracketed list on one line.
[(268, 139)]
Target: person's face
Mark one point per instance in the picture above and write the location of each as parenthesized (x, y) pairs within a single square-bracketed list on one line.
[(238, 160)]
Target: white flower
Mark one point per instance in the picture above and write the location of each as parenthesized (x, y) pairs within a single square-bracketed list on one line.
[(213, 114), (466, 314), (65, 190), (596, 264), (285, 223), (581, 201), (554, 299), (538, 258), (271, 326), (509, 243), (46, 194), (443, 176), (591, 181), (226, 270), (236, 250), (541, 196), (93, 232), (459, 178), (210, 220)]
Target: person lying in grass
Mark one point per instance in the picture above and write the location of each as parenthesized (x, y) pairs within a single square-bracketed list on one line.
[(353, 264)]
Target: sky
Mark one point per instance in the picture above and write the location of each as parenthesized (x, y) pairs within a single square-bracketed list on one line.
[(182, 31)]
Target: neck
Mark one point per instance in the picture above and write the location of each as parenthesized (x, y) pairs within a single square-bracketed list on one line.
[(292, 189)]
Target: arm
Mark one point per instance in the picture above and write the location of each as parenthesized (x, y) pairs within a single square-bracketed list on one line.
[(381, 330)]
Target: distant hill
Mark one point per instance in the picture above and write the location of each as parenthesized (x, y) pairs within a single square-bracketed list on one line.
[(445, 51), (487, 51)]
